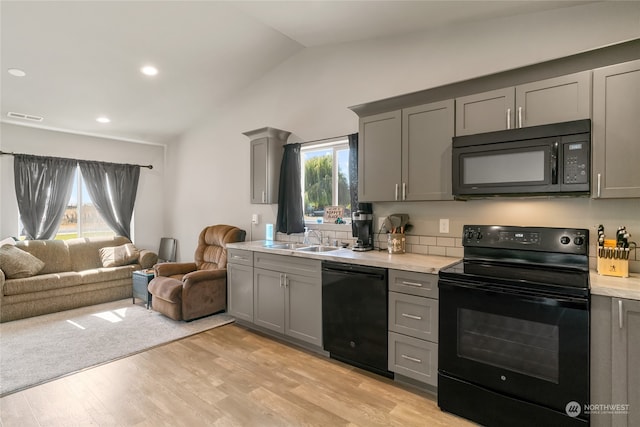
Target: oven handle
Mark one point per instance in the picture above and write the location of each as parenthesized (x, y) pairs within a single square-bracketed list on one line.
[(532, 296)]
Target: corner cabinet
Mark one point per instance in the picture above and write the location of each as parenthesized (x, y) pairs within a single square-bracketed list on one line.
[(405, 155), (266, 156), (240, 284), (288, 296), (616, 126), (559, 99), (615, 351)]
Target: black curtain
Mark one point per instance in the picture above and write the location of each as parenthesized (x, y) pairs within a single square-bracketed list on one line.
[(290, 215), (43, 188), (353, 179), (113, 189)]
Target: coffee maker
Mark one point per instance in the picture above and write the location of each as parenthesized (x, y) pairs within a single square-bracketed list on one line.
[(362, 228)]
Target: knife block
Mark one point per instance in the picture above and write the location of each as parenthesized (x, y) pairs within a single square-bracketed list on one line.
[(612, 266)]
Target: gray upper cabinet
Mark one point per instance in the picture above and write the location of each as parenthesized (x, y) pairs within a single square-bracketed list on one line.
[(616, 150), (266, 157), (406, 154), (379, 157), (426, 151), (558, 99), (485, 112)]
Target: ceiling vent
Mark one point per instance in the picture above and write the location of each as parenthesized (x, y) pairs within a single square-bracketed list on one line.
[(24, 116)]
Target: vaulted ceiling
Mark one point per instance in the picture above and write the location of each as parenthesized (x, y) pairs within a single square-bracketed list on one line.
[(82, 59)]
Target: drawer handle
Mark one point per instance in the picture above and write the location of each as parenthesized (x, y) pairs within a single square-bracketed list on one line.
[(412, 316), (416, 284), (239, 257), (413, 359)]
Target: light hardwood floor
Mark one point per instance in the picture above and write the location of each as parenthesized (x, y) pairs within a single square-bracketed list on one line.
[(227, 376)]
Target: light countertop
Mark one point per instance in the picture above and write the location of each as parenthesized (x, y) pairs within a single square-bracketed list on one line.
[(408, 262), (600, 285), (627, 287)]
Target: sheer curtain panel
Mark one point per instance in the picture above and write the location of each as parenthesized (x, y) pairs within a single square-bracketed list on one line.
[(43, 188), (113, 189)]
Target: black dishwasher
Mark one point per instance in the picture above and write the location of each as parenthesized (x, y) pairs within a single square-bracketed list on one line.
[(354, 315)]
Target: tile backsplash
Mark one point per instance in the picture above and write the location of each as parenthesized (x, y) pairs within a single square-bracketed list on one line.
[(417, 244)]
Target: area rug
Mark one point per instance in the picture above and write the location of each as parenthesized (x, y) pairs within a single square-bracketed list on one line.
[(43, 348)]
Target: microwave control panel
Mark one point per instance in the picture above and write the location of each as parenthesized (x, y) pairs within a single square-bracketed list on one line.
[(576, 162)]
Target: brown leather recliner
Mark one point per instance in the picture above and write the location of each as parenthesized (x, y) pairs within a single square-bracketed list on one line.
[(187, 291)]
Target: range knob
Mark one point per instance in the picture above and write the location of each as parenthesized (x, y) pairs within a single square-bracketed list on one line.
[(479, 236), (579, 240), (469, 234), (565, 240)]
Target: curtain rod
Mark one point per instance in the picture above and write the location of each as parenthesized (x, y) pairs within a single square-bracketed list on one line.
[(324, 139), (3, 153)]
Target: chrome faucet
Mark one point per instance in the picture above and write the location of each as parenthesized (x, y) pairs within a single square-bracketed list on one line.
[(318, 235)]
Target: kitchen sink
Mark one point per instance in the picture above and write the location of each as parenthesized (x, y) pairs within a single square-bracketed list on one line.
[(318, 249), (282, 245)]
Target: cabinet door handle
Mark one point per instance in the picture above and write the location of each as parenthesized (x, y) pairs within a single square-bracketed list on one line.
[(508, 118), (599, 180), (264, 199), (416, 284), (620, 316), (396, 192), (412, 316), (413, 359), (519, 117), (281, 280), (404, 191), (285, 281)]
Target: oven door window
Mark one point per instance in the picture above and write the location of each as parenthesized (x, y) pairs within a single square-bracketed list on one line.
[(524, 346)]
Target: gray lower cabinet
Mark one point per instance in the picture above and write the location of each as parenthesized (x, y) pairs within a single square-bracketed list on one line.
[(240, 284), (616, 151), (413, 325), (405, 155), (288, 296), (266, 156), (615, 351), (625, 355), (558, 99)]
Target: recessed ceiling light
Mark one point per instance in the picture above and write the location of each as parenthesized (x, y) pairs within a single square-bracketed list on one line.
[(103, 119), (149, 70), (16, 72)]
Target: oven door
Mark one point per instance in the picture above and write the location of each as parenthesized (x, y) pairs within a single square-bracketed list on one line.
[(520, 344)]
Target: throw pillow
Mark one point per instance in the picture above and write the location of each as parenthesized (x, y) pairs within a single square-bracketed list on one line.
[(7, 241), (18, 264), (117, 256)]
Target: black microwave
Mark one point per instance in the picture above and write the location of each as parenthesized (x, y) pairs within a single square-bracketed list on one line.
[(550, 159)]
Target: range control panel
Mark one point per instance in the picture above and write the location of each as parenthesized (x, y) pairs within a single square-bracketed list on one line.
[(547, 239)]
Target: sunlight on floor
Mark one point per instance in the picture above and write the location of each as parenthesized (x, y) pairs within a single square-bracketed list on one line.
[(77, 325), (113, 316)]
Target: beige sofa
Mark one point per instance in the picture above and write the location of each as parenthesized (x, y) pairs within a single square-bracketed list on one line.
[(73, 276)]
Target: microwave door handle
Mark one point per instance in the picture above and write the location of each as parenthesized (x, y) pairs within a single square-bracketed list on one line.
[(554, 163)]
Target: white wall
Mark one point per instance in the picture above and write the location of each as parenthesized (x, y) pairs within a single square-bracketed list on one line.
[(147, 226), (309, 95)]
